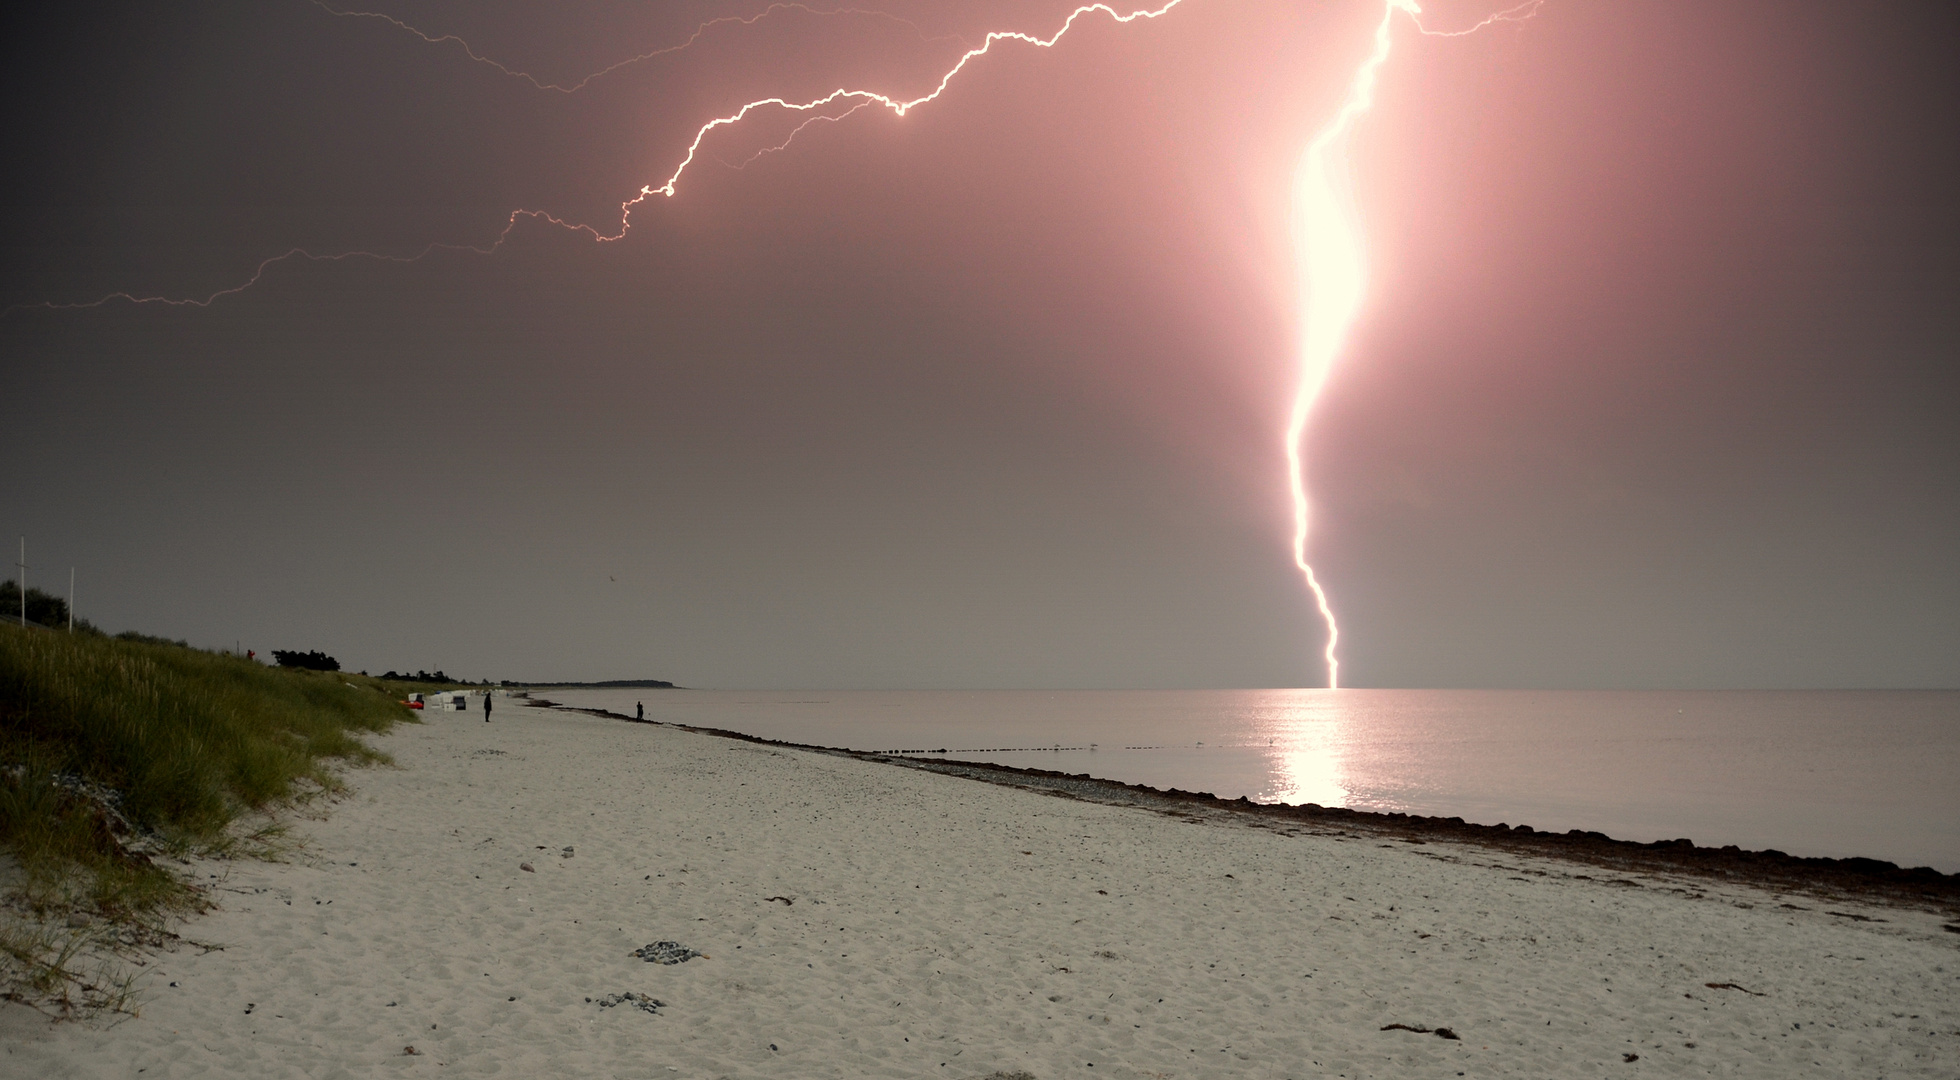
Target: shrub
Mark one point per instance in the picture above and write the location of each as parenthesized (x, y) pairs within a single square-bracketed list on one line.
[(41, 608), (419, 677), (311, 661)]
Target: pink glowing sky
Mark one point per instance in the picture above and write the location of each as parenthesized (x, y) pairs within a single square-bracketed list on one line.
[(1653, 384)]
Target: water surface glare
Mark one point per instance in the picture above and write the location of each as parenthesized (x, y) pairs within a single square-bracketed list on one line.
[(1839, 773)]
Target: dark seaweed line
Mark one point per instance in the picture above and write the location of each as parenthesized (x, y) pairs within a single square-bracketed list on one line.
[(1872, 880)]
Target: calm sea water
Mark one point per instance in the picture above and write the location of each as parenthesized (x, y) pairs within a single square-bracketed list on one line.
[(1839, 773)]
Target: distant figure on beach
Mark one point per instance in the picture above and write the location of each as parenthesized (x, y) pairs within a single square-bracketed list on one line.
[(486, 706), (640, 710)]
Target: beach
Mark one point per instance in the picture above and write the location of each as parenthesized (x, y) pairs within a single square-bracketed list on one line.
[(1818, 774), (481, 902)]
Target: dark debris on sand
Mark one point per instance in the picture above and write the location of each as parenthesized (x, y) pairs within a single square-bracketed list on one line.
[(1442, 1032), (666, 952), (638, 1001)]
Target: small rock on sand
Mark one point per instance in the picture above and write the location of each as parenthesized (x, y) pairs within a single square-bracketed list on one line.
[(666, 952), (638, 1001)]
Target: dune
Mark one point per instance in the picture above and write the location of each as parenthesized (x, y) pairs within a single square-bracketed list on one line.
[(555, 894)]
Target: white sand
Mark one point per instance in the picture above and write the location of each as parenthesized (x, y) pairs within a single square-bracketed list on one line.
[(943, 927)]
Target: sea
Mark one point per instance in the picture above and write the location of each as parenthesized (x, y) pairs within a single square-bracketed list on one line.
[(1831, 773)]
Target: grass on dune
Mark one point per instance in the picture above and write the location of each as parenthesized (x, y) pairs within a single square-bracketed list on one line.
[(115, 752)]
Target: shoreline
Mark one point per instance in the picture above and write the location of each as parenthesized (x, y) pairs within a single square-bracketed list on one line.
[(555, 893), (1869, 880)]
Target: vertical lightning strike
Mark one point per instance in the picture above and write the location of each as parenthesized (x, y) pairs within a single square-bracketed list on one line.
[(1332, 277), (1333, 274)]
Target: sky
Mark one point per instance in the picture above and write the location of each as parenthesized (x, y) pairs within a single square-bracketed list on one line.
[(1655, 385)]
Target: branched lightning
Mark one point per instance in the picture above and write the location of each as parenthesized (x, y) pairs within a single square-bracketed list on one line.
[(1333, 273), (304, 255), (1329, 246), (858, 99), (794, 132), (692, 39), (899, 106), (258, 272), (1515, 14)]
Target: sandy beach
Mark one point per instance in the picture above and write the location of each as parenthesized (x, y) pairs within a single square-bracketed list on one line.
[(482, 903)]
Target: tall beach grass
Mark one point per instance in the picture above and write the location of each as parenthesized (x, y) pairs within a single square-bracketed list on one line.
[(116, 755)]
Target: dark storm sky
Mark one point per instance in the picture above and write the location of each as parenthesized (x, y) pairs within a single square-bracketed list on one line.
[(1656, 385)]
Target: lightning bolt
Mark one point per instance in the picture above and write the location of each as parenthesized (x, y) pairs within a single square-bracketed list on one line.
[(899, 106), (1328, 241), (1332, 272), (794, 132), (303, 255), (857, 99)]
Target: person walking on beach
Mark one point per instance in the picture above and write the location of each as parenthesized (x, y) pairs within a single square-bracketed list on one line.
[(486, 706), (640, 709)]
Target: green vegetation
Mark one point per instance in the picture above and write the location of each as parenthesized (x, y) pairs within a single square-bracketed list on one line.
[(121, 756), (41, 607)]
